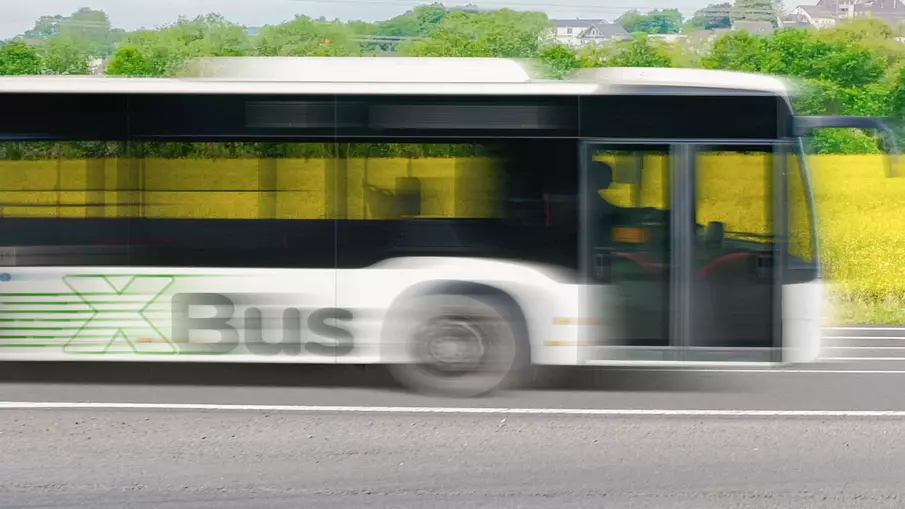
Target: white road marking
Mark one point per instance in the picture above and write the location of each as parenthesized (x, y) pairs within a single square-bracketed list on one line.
[(863, 337), (871, 359), (865, 328), (864, 348), (13, 405), (773, 371)]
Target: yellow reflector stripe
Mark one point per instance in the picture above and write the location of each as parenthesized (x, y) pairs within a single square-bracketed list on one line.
[(630, 235), (569, 320)]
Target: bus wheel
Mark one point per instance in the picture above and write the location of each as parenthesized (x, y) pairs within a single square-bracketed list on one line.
[(459, 346)]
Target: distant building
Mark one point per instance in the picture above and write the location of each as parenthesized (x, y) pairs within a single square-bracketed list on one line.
[(581, 32), (828, 13)]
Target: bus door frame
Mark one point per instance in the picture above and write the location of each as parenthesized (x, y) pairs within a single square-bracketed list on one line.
[(683, 167)]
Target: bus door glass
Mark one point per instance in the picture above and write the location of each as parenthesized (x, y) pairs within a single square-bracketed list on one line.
[(626, 249), (734, 248)]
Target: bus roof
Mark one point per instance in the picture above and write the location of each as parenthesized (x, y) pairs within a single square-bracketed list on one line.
[(397, 75)]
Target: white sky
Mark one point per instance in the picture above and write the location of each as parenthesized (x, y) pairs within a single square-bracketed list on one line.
[(16, 16)]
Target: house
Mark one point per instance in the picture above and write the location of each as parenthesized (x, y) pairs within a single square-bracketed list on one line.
[(579, 32), (603, 32), (891, 11), (567, 31), (794, 21), (828, 13)]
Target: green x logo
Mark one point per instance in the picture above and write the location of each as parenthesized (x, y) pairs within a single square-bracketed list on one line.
[(120, 323)]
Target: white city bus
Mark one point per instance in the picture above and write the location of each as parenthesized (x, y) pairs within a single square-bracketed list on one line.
[(455, 219)]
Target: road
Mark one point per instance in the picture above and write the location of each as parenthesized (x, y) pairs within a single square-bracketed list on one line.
[(315, 437)]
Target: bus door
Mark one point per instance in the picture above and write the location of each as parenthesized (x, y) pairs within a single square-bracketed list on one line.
[(678, 250), (626, 251), (735, 292)]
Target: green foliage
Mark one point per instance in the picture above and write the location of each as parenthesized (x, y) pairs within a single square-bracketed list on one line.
[(711, 17), (842, 141), (667, 21), (17, 58), (421, 21), (163, 52), (558, 61), (737, 51), (503, 33), (756, 10), (129, 61), (86, 28), (809, 54), (641, 52), (67, 54), (306, 37)]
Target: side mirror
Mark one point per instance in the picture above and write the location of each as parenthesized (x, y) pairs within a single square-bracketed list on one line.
[(715, 235), (804, 125)]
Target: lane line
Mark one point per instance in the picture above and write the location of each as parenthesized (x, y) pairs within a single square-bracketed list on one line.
[(24, 405), (864, 328), (864, 348), (781, 371), (871, 359), (863, 337)]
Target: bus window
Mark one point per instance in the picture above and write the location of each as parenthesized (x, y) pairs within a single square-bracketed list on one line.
[(230, 204), (512, 199)]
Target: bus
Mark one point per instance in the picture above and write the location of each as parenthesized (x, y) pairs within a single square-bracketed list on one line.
[(457, 220)]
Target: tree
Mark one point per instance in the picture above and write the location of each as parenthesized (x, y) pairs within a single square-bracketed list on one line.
[(67, 54), (642, 52), (667, 21), (306, 37), (421, 21), (129, 61), (737, 51), (756, 10), (811, 55), (559, 60), (163, 52), (712, 17), (503, 33), (18, 58), (86, 27), (45, 26)]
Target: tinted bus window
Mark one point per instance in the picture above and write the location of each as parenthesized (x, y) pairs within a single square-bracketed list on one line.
[(251, 204)]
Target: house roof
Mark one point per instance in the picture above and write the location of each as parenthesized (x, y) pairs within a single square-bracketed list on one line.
[(605, 31), (819, 11), (576, 23)]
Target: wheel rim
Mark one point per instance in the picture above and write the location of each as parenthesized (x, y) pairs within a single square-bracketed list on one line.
[(452, 345)]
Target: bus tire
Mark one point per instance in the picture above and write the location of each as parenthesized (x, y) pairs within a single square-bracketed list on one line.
[(459, 346)]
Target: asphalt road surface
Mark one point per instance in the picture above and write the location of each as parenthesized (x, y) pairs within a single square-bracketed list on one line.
[(830, 435)]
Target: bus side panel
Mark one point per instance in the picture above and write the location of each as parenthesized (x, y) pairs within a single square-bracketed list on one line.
[(802, 311), (376, 294), (219, 315)]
